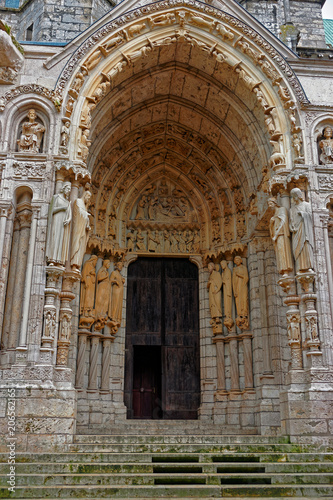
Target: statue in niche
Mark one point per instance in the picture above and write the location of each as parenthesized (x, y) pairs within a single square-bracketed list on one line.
[(182, 244), (152, 202), (116, 297), (84, 144), (50, 324), (280, 234), (152, 241), (65, 326), (65, 134), (130, 241), (103, 291), (88, 281), (140, 241), (167, 241), (81, 228), (326, 146), (32, 133), (196, 242), (214, 287), (240, 279), (293, 328), (302, 231), (58, 233), (140, 211), (227, 294)]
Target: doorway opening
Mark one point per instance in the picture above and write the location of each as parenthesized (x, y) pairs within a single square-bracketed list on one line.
[(162, 360)]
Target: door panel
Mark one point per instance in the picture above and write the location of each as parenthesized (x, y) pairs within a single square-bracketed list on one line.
[(162, 310)]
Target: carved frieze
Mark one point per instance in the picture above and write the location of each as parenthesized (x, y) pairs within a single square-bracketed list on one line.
[(29, 170)]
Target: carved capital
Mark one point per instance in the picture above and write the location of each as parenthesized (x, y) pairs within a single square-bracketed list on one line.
[(306, 280), (287, 283)]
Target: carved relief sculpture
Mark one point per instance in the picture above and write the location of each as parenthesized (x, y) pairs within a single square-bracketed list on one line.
[(302, 231), (240, 279), (227, 294), (81, 228), (84, 145), (60, 216), (280, 234), (326, 146), (88, 280), (214, 287), (116, 297), (32, 133)]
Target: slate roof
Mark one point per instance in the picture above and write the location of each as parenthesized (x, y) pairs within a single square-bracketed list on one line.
[(328, 26)]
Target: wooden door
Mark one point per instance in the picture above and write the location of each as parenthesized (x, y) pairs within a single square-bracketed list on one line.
[(162, 312)]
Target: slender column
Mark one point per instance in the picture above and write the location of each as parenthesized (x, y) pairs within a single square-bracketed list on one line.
[(28, 279), (234, 367), (325, 220), (24, 216), (293, 321), (248, 368), (11, 284), (94, 346), (81, 359), (53, 274), (221, 385), (266, 355), (4, 212), (106, 362)]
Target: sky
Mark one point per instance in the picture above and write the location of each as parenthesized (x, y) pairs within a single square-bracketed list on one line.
[(328, 9)]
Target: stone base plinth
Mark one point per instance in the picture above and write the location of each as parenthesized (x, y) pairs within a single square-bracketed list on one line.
[(38, 408)]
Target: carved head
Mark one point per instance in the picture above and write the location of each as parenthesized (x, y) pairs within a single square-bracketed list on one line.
[(272, 203), (86, 197), (328, 132), (296, 195), (211, 266), (66, 189), (119, 266), (106, 263), (224, 264), (32, 115), (238, 260)]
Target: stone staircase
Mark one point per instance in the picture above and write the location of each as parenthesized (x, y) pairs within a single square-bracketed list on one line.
[(137, 465)]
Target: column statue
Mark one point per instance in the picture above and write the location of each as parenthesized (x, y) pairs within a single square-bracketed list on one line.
[(58, 231), (227, 294), (240, 279), (81, 228), (302, 231), (88, 281), (214, 286), (103, 290), (280, 234), (32, 133), (116, 297)]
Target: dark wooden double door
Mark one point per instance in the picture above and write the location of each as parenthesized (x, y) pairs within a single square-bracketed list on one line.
[(162, 360)]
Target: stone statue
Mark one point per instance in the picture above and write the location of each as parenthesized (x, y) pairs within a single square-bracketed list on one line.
[(302, 231), (280, 234), (58, 233), (214, 286), (240, 279), (88, 286), (117, 292), (32, 133), (326, 146), (227, 294), (85, 144), (103, 290), (140, 241), (65, 134), (81, 228)]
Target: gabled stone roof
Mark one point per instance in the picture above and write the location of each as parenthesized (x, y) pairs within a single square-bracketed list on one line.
[(328, 26)]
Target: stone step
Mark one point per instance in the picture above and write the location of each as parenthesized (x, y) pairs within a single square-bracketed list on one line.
[(142, 468), (151, 479), (142, 457), (190, 448), (180, 439), (174, 491)]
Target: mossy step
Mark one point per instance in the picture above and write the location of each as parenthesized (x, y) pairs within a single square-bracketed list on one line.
[(99, 479), (192, 448), (148, 467), (104, 457), (170, 439), (174, 491)]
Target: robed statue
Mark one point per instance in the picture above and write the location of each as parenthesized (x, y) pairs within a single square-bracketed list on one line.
[(280, 234), (81, 228), (32, 133), (58, 233), (302, 231), (116, 297), (240, 279), (214, 287)]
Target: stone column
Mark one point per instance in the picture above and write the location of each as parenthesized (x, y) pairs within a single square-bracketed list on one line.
[(28, 278), (6, 301), (24, 215), (234, 366), (248, 367), (293, 320), (81, 359), (106, 363), (4, 213), (266, 352), (65, 325), (94, 347), (220, 363)]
